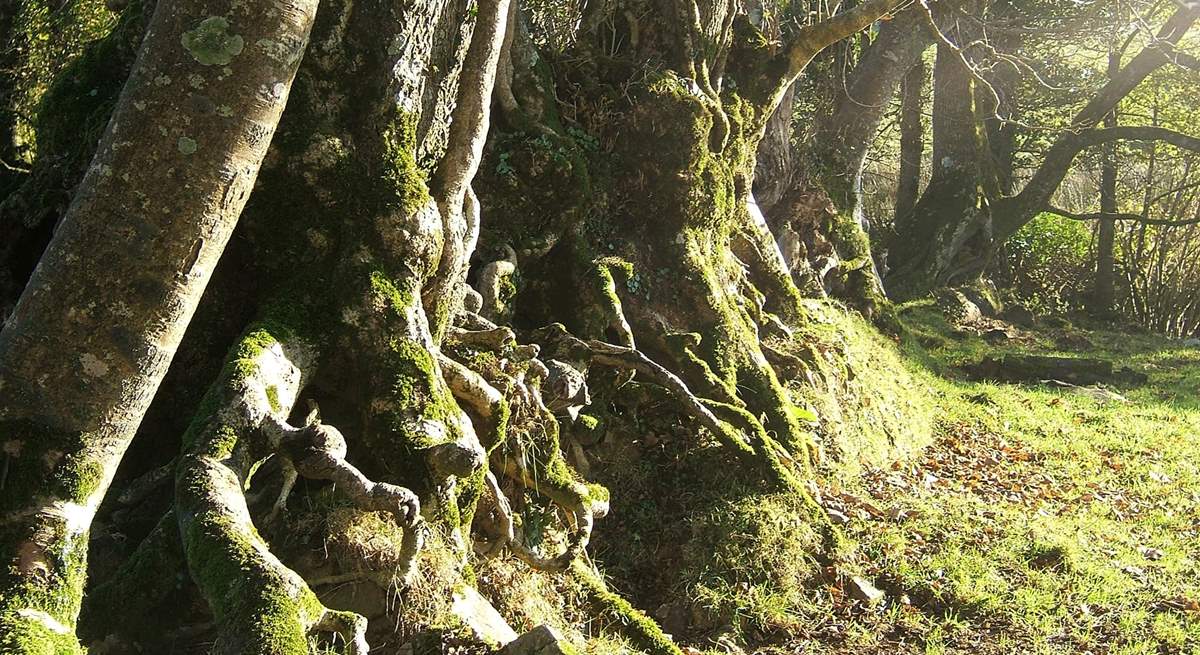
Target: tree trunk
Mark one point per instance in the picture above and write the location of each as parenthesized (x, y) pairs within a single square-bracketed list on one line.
[(912, 140), (94, 332), (940, 239), (835, 156), (1104, 290), (959, 225)]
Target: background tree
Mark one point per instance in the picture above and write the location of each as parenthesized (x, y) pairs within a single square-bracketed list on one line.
[(971, 217)]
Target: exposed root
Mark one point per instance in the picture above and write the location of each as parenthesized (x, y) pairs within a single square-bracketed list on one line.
[(318, 452), (492, 278), (738, 430), (643, 631), (262, 606), (494, 338), (548, 474), (609, 317), (501, 512)]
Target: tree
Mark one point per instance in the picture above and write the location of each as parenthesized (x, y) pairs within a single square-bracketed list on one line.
[(1107, 229), (960, 223), (831, 158), (912, 139), (362, 223), (117, 287)]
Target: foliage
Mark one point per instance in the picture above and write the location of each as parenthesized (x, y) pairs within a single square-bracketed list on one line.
[(1048, 264)]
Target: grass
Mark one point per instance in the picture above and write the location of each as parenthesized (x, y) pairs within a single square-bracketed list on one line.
[(1039, 520)]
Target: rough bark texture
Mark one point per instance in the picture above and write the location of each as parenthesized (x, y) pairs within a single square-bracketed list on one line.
[(833, 237), (121, 279), (1104, 291), (455, 434), (912, 140), (950, 224)]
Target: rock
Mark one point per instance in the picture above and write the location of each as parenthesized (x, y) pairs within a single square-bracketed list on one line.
[(1073, 341), (674, 617), (565, 390), (1191, 343), (861, 589), (956, 307), (1019, 315), (727, 643), (472, 299), (542, 640), (484, 622), (1098, 393), (984, 296)]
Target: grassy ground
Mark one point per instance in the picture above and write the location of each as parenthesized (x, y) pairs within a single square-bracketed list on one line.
[(1039, 521)]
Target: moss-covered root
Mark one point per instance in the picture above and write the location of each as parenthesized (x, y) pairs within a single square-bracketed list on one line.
[(641, 630), (753, 244), (538, 464), (260, 605)]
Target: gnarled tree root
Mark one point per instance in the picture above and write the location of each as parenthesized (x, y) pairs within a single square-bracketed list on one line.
[(262, 606)]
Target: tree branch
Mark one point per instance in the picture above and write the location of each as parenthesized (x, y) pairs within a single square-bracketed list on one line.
[(1139, 133), (1120, 216), (812, 39)]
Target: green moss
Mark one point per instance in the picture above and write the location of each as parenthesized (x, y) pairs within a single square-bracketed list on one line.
[(60, 87), (640, 629), (404, 184), (58, 592), (52, 462), (252, 601), (27, 637), (587, 423)]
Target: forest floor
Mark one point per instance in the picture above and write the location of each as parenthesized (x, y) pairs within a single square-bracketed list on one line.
[(1041, 520)]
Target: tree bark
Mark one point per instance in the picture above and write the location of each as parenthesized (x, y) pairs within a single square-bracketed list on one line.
[(92, 335), (1104, 291), (950, 223), (912, 140)]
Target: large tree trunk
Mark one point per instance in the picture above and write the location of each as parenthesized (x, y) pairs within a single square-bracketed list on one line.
[(950, 225), (362, 225), (833, 161), (98, 324)]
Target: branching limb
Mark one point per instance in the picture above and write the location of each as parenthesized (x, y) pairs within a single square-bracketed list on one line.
[(810, 40), (1139, 133)]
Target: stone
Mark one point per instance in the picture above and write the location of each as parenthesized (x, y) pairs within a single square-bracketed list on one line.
[(472, 299), (983, 295), (956, 307), (542, 640), (484, 622), (861, 589)]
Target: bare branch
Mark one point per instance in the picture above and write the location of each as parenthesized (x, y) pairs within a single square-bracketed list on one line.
[(1139, 133), (1121, 216)]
